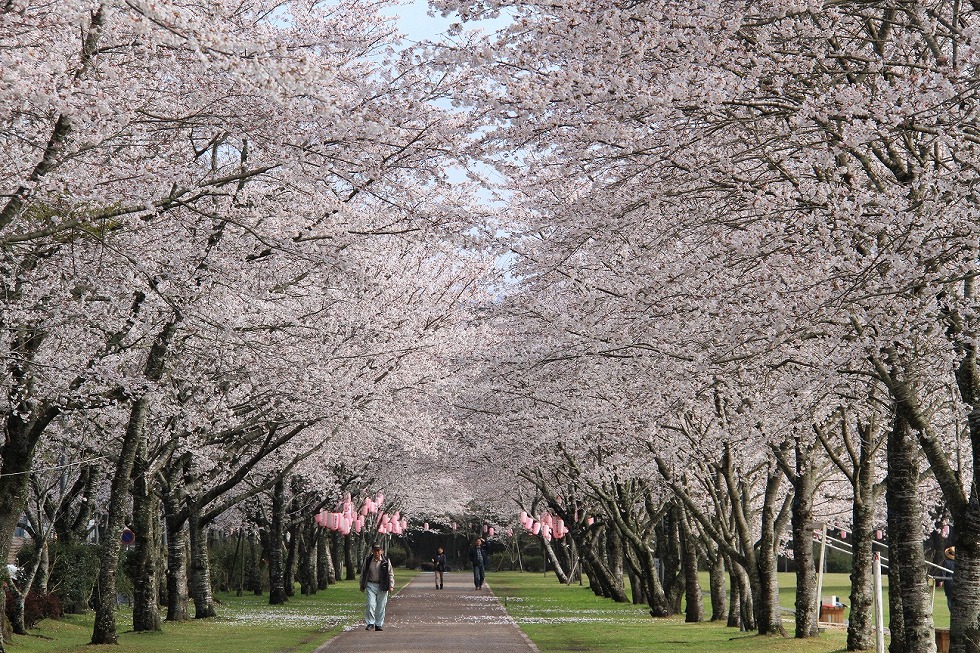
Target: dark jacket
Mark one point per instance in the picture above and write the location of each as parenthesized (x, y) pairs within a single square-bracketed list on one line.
[(440, 562), (478, 556), (947, 577), (387, 573)]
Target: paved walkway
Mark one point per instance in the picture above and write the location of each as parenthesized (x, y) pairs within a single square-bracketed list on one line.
[(422, 619)]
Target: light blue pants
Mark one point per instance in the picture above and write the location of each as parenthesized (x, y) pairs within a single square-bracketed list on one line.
[(376, 602)]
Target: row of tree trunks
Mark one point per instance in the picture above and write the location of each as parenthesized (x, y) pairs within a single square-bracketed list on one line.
[(602, 579)]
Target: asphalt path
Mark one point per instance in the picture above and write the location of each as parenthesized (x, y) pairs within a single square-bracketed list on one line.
[(422, 619)]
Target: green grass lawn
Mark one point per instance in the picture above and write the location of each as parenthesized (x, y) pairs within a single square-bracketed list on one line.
[(562, 619), (558, 618), (244, 624)]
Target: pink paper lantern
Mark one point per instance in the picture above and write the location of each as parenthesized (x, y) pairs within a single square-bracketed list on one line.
[(536, 527), (590, 521), (945, 530), (523, 516), (425, 526), (878, 534)]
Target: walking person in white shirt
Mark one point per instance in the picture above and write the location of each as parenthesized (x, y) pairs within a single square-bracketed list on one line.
[(377, 579)]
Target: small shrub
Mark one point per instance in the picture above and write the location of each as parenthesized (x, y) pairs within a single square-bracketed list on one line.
[(74, 570), (37, 606), (397, 556)]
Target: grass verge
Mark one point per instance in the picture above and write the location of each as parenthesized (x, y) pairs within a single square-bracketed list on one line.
[(246, 623), (562, 619)]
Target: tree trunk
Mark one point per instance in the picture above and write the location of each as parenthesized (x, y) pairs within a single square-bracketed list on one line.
[(335, 556), (694, 612), (289, 567), (44, 569), (965, 629), (719, 598), (237, 563), (307, 562), (905, 543), (146, 524), (255, 568), (575, 575), (860, 633), (735, 607), (965, 618), (17, 623), (277, 589), (17, 454), (323, 565), (177, 592), (745, 611), (200, 569), (350, 567), (896, 620), (601, 573), (559, 572), (804, 483), (636, 587), (769, 616), (670, 557), (104, 631)]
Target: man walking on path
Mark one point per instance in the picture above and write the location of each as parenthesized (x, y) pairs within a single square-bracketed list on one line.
[(478, 556), (377, 578), (439, 565)]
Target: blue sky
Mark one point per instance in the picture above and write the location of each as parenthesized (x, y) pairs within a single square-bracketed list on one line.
[(415, 22), (418, 25)]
